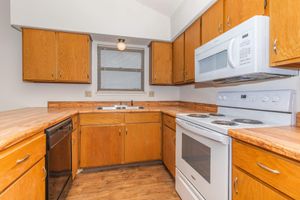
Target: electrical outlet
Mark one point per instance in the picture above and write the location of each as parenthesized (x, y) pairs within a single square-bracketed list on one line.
[(88, 93), (151, 94)]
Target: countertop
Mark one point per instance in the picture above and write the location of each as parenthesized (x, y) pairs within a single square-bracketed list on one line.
[(20, 124), (284, 140)]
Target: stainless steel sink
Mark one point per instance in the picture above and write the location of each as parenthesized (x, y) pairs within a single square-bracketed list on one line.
[(120, 107)]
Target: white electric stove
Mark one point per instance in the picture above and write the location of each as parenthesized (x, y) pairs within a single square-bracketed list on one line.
[(203, 147)]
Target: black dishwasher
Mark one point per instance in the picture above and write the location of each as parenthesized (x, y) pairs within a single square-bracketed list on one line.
[(59, 160)]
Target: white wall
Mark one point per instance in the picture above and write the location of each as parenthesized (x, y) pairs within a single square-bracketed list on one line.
[(14, 93), (186, 13), (112, 17), (208, 95)]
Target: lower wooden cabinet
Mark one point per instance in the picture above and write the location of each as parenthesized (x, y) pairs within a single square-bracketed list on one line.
[(29, 186), (246, 187), (169, 144), (142, 142), (101, 145), (75, 156)]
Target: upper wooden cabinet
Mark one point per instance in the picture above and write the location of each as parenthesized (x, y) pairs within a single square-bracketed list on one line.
[(39, 55), (178, 60), (239, 11), (212, 22), (192, 41), (284, 32), (161, 63), (50, 56)]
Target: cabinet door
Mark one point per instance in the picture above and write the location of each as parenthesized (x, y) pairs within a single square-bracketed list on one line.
[(29, 186), (142, 142), (75, 147), (73, 63), (192, 41), (169, 149), (161, 63), (178, 60), (212, 22), (245, 187), (239, 11), (284, 32), (101, 146), (39, 55)]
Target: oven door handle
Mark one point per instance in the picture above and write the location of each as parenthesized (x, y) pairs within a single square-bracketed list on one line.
[(218, 137)]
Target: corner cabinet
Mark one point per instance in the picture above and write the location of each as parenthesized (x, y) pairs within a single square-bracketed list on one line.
[(284, 33), (161, 63), (50, 56)]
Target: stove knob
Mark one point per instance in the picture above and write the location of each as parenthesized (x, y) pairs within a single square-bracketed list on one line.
[(276, 99), (265, 99)]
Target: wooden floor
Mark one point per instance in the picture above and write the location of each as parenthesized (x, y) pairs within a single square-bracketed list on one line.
[(134, 183)]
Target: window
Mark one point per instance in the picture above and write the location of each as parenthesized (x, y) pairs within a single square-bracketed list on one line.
[(120, 70)]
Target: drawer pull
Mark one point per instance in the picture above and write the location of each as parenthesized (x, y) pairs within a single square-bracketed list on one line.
[(45, 173), (273, 171), (19, 161)]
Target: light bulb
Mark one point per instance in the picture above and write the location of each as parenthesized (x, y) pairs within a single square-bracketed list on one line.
[(121, 45)]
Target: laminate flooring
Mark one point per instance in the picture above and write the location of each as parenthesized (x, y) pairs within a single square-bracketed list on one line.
[(132, 183)]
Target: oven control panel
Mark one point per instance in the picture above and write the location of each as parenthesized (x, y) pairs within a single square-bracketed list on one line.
[(273, 100)]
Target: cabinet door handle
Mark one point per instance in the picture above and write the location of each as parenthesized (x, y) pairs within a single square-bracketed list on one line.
[(19, 161), (273, 171), (119, 132), (126, 131), (275, 46), (235, 185), (220, 28), (88, 76), (45, 173), (228, 21)]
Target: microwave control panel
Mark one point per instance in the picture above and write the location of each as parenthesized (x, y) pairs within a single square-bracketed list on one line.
[(245, 48)]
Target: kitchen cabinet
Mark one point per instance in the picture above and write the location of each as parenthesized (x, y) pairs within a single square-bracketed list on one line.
[(192, 40), (31, 185), (169, 143), (39, 55), (101, 145), (178, 60), (246, 187), (212, 22), (238, 11), (284, 33), (268, 170), (117, 138), (161, 63), (142, 142), (50, 56)]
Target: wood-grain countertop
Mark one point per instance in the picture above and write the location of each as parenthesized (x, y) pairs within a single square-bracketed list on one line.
[(20, 124), (284, 140)]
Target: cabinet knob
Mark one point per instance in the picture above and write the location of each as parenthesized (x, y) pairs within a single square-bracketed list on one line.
[(275, 46), (228, 21), (88, 76)]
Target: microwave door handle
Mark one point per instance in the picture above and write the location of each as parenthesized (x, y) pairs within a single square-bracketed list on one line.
[(218, 137), (230, 53)]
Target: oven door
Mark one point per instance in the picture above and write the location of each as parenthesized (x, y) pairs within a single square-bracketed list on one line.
[(203, 157)]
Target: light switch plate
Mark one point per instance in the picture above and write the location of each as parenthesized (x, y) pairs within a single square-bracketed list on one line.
[(151, 93), (88, 93)]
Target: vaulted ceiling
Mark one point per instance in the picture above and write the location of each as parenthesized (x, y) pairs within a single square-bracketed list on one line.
[(165, 7)]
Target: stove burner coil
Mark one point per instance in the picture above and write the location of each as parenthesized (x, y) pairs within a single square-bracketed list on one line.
[(225, 123), (198, 115), (247, 121)]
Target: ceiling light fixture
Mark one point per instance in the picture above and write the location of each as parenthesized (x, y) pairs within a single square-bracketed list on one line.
[(121, 44)]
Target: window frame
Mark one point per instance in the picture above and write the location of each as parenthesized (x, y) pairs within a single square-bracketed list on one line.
[(99, 69)]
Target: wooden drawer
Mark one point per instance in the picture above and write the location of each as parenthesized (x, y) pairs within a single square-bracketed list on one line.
[(29, 186), (18, 159), (169, 121), (101, 118), (75, 122), (142, 117), (277, 171)]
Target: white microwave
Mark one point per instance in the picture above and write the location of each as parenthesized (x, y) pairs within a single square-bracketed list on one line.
[(237, 56)]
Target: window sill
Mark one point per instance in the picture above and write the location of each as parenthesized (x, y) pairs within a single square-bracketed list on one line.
[(120, 93)]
